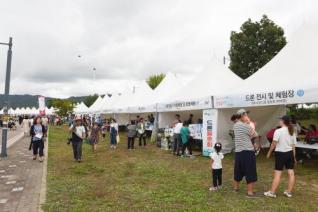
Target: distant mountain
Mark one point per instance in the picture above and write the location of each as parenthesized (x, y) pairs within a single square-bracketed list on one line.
[(30, 100)]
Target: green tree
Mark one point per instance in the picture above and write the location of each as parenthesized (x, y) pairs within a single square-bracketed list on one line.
[(255, 45), (89, 100), (154, 80), (64, 106)]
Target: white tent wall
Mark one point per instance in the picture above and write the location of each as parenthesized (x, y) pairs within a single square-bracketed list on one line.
[(122, 118), (265, 117), (166, 118)]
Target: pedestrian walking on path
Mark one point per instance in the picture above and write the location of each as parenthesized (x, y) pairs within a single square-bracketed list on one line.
[(78, 134), (38, 132), (26, 125)]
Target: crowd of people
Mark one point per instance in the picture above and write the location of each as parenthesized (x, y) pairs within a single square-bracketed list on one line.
[(182, 140), (92, 128), (282, 139)]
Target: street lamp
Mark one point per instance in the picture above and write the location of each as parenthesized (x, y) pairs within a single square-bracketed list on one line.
[(6, 99)]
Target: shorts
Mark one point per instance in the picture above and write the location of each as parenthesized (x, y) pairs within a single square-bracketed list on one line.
[(245, 166), (284, 159)]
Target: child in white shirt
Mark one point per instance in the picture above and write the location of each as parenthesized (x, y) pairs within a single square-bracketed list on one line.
[(216, 165)]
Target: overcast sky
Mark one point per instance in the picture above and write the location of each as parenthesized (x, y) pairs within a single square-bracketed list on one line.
[(126, 40)]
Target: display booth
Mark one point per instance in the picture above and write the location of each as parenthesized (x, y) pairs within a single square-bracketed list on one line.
[(196, 98)]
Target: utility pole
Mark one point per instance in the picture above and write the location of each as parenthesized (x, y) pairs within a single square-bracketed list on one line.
[(6, 99)]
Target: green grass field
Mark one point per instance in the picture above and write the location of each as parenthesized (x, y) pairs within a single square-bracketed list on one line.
[(153, 180)]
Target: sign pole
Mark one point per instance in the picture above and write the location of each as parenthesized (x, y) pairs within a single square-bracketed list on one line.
[(6, 101)]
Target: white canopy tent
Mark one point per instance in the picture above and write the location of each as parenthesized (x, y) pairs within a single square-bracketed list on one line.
[(289, 78), (107, 106), (134, 100), (28, 111), (23, 111), (34, 111), (103, 102), (197, 94), (124, 104), (94, 107), (17, 111), (11, 111), (80, 108)]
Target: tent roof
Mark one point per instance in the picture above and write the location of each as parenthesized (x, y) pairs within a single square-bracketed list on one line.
[(80, 108), (196, 94), (293, 69), (168, 85), (133, 97), (103, 102), (93, 108), (213, 80)]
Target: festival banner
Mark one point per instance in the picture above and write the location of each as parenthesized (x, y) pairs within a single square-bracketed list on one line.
[(274, 97), (196, 104), (209, 131), (42, 105)]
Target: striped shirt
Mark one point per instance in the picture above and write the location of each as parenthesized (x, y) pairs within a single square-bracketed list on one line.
[(242, 137)]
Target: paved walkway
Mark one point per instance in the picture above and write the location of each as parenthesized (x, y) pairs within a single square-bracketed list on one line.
[(20, 179), (13, 136)]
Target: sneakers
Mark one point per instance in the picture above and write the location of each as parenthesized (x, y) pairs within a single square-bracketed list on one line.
[(213, 188), (251, 196), (288, 194), (270, 194)]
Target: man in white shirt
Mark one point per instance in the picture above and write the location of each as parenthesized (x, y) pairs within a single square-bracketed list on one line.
[(177, 125)]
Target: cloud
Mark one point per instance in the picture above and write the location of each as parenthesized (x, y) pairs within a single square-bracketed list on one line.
[(125, 40)]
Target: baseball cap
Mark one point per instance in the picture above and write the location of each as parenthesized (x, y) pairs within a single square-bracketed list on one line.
[(218, 145), (285, 118), (242, 112)]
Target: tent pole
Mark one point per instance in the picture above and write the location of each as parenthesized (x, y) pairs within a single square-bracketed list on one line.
[(154, 134)]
